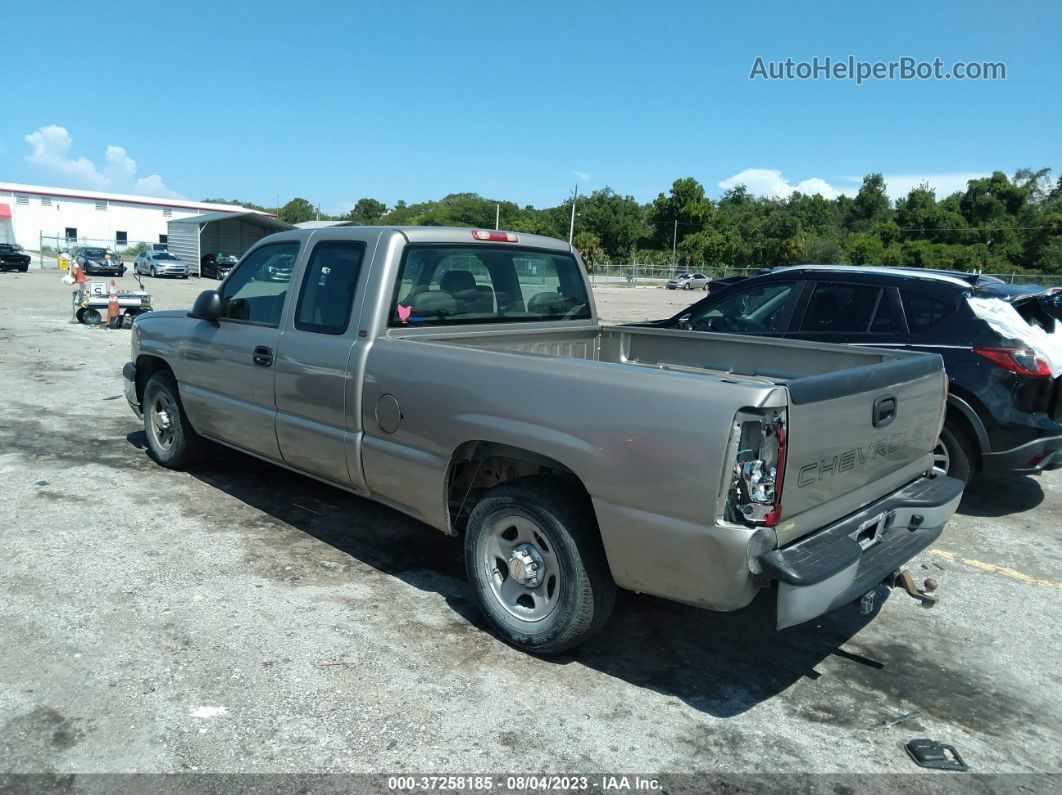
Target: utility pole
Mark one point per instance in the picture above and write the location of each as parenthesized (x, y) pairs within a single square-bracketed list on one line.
[(497, 215), (571, 227), (674, 244)]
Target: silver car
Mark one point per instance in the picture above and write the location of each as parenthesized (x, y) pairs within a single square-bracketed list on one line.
[(159, 263), (689, 281)]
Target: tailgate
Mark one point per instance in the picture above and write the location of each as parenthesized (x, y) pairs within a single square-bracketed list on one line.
[(856, 435)]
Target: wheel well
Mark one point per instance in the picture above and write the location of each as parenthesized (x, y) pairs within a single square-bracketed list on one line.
[(147, 366), (958, 421), (477, 466)]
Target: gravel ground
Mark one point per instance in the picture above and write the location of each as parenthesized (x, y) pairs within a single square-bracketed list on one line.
[(238, 617)]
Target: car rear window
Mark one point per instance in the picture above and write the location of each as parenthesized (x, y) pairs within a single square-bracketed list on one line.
[(444, 285), (924, 311)]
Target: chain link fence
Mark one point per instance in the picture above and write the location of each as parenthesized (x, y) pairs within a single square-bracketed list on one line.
[(52, 248)]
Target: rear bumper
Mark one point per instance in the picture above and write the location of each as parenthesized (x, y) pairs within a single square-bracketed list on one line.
[(843, 561), (129, 378), (1025, 459)]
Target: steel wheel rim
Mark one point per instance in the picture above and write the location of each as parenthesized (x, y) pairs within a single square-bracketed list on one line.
[(161, 415), (941, 458), (511, 540)]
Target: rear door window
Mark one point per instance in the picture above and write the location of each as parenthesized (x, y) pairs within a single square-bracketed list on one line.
[(327, 293), (924, 311), (838, 308)]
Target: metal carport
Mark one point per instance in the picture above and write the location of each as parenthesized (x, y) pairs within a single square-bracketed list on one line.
[(233, 233)]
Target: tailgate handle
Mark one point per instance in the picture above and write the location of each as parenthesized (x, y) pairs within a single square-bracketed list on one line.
[(884, 411)]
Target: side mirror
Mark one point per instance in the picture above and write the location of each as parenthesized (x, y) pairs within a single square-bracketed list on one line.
[(684, 322), (207, 306)]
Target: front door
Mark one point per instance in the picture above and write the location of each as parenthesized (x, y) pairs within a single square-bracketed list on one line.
[(228, 380)]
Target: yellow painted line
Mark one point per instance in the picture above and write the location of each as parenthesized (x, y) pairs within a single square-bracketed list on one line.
[(992, 567)]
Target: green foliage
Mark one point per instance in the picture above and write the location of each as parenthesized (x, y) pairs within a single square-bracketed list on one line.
[(296, 211), (366, 211), (997, 224)]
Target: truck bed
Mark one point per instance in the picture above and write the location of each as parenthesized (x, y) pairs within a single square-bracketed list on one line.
[(725, 356), (841, 456)]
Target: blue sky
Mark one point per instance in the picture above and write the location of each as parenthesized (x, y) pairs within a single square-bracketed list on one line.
[(401, 100)]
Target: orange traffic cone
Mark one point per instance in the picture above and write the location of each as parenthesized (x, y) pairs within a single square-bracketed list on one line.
[(112, 304)]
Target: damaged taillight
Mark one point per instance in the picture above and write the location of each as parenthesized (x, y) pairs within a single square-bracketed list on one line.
[(755, 493), (1023, 361)]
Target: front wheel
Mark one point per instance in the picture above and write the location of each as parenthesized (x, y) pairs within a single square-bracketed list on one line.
[(687, 286), (154, 273), (171, 439), (536, 565), (953, 455)]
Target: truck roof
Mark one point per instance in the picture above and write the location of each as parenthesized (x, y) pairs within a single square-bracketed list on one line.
[(443, 234)]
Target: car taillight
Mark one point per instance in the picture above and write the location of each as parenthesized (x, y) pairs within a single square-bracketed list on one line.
[(1022, 361), (501, 237), (755, 493)]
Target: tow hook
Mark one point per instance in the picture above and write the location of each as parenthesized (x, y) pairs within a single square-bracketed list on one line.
[(904, 579)]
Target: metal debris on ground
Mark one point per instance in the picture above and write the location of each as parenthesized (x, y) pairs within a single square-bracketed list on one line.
[(885, 723), (936, 755)]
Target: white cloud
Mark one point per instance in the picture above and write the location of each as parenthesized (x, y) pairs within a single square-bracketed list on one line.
[(582, 175), (51, 146), (770, 182)]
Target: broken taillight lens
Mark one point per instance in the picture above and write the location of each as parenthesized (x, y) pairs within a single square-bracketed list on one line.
[(1022, 361), (755, 494)]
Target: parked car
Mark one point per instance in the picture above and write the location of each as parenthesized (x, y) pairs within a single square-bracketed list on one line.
[(13, 259), (1004, 402), (217, 264), (461, 376), (160, 263), (98, 261), (689, 281)]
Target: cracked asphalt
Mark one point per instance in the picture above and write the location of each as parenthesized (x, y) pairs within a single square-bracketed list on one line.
[(237, 617)]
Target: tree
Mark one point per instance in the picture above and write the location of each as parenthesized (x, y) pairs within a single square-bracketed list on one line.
[(588, 246), (367, 211), (296, 211), (617, 221), (870, 205), (686, 204)]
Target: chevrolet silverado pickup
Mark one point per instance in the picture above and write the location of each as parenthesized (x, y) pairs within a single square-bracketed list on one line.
[(461, 376)]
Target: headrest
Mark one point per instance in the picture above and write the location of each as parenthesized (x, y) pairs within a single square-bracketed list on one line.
[(457, 281)]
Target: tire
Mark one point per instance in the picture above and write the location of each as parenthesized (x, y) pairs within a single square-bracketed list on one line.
[(89, 316), (551, 524), (154, 274), (687, 286), (705, 288), (953, 455), (23, 269), (171, 439)]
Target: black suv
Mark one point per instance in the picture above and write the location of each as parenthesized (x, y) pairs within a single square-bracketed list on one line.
[(1004, 405), (12, 258)]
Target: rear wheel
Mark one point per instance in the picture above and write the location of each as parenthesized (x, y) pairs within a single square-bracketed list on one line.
[(536, 565), (171, 439), (953, 455)]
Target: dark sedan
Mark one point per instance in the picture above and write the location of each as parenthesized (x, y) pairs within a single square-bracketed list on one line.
[(97, 261), (1004, 410), (13, 259)]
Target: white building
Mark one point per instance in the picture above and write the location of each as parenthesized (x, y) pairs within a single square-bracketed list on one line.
[(32, 214)]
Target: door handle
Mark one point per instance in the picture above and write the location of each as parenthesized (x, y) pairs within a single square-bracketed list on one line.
[(884, 411), (263, 356)]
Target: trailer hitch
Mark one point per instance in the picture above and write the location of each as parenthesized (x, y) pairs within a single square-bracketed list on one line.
[(905, 580)]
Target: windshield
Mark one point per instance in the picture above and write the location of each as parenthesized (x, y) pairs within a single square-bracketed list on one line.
[(165, 256), (93, 252), (449, 285)]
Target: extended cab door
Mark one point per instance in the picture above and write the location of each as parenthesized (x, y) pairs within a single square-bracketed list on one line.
[(227, 383), (318, 421)]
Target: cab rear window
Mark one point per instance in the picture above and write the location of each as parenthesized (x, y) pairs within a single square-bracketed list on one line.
[(924, 311), (444, 285)]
